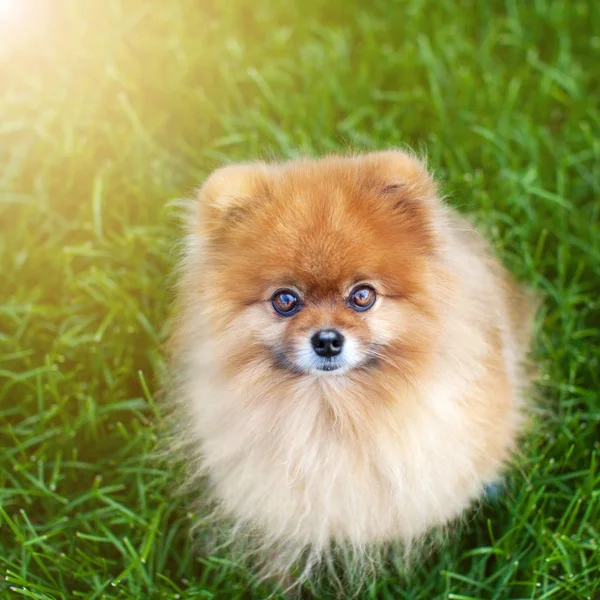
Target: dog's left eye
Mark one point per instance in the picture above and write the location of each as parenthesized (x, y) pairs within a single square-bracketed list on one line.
[(362, 297), (286, 303)]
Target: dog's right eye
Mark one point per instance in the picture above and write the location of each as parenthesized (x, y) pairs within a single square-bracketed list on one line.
[(286, 302)]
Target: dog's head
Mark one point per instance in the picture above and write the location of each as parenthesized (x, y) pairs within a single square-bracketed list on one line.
[(319, 267)]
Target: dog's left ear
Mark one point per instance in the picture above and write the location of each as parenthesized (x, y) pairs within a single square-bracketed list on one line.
[(404, 191), (400, 177)]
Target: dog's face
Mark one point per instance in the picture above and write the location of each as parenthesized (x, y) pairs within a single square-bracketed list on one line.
[(320, 268)]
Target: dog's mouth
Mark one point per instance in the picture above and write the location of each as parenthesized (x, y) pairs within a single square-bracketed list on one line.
[(333, 366), (327, 367)]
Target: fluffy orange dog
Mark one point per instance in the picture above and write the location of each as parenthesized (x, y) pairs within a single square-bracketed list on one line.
[(349, 355)]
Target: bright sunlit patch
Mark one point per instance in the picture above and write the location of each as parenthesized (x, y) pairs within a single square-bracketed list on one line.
[(9, 9)]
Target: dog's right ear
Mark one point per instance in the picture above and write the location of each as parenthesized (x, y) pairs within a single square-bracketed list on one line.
[(229, 195)]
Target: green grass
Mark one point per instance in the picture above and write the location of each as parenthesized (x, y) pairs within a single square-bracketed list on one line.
[(110, 109)]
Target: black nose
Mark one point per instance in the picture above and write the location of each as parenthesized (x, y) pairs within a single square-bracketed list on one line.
[(327, 342)]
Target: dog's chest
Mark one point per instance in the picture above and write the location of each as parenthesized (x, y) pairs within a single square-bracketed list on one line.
[(312, 473)]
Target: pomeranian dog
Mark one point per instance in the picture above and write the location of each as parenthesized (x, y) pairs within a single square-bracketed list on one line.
[(349, 356)]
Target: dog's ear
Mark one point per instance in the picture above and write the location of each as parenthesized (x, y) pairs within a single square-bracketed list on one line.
[(403, 190), (400, 177), (229, 195)]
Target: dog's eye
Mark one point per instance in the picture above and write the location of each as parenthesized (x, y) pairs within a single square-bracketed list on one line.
[(286, 302), (362, 297)]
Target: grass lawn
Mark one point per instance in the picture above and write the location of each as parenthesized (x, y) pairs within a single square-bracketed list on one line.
[(110, 109)]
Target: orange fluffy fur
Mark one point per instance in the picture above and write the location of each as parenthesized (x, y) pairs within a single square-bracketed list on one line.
[(401, 441)]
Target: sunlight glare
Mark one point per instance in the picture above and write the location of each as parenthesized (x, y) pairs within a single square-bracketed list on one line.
[(9, 9)]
